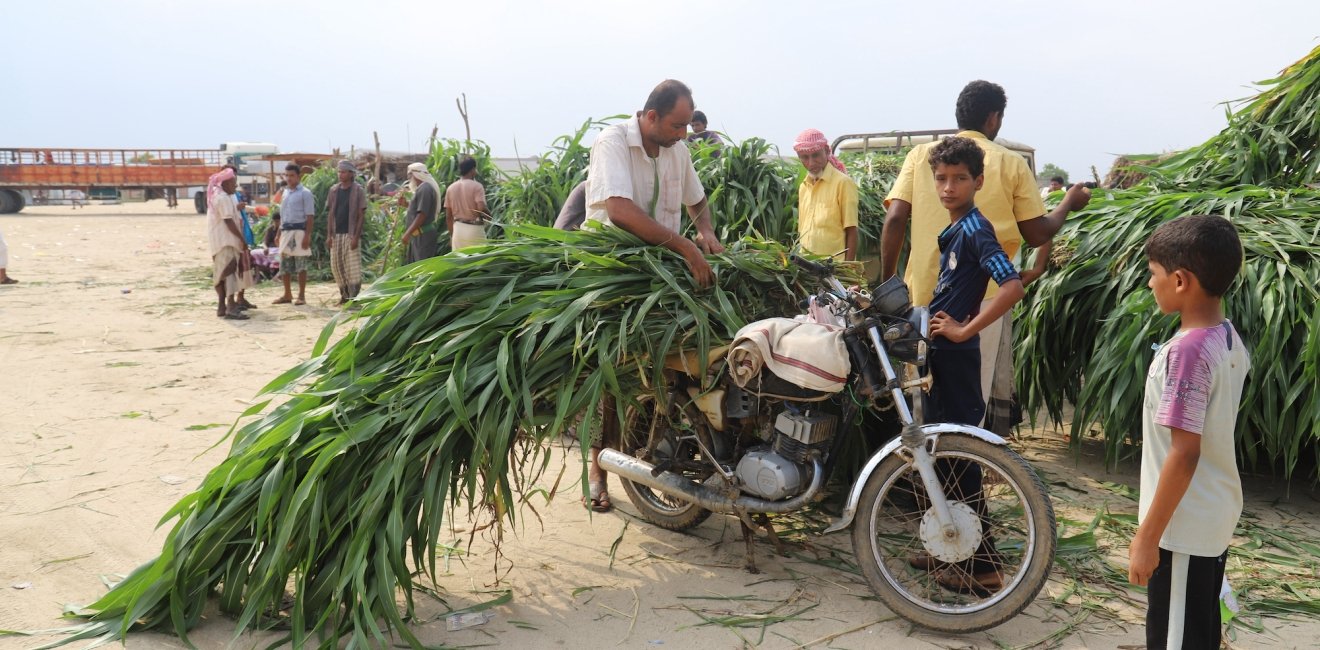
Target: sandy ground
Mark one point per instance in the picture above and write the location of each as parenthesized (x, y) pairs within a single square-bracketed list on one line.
[(118, 379)]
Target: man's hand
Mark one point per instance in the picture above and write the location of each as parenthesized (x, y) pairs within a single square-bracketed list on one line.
[(307, 241), (945, 325), (1143, 557), (354, 243), (709, 244), (400, 199), (1077, 197), (700, 268), (242, 205)]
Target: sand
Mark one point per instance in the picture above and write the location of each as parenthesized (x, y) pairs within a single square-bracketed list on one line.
[(119, 379)]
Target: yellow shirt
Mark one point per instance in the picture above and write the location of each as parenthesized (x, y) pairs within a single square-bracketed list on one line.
[(825, 208), (1008, 196)]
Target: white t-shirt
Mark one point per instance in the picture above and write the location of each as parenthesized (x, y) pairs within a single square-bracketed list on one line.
[(1195, 384), (223, 208), (620, 168)]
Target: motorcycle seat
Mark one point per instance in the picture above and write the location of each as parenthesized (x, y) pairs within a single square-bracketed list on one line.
[(689, 361)]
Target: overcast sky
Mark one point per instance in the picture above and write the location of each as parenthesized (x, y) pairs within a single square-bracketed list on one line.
[(1084, 81)]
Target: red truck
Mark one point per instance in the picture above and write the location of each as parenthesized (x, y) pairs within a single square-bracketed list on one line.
[(24, 171)]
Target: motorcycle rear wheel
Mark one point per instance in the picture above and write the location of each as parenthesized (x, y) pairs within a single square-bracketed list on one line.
[(887, 537), (656, 507)]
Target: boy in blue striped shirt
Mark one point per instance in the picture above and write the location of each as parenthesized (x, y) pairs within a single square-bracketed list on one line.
[(970, 256)]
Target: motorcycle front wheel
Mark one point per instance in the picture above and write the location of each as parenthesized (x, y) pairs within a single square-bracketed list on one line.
[(932, 583)]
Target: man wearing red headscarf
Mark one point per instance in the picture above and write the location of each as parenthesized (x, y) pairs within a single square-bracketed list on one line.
[(827, 200)]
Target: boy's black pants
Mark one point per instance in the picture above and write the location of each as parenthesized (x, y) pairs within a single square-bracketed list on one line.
[(955, 397), (1183, 597)]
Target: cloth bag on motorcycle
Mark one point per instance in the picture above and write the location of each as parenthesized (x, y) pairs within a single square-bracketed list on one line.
[(808, 355)]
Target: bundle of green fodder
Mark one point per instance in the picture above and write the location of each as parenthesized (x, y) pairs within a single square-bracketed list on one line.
[(874, 174), (1086, 331), (439, 397)]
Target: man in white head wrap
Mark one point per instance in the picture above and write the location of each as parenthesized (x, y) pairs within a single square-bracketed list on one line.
[(420, 237)]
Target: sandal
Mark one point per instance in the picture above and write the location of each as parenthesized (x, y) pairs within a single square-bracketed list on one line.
[(235, 316), (9, 281), (247, 305), (599, 501), (300, 301), (282, 301)]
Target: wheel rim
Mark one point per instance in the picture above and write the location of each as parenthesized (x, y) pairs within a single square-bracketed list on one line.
[(636, 431), (895, 539)]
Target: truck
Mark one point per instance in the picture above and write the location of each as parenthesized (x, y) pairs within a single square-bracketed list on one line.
[(25, 171), (893, 142)]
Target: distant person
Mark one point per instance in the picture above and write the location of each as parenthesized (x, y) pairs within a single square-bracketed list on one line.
[(1009, 200), (297, 223), (465, 208), (227, 245), (76, 198), (4, 262), (1191, 494), (171, 197), (420, 235), (346, 213), (700, 134), (574, 211), (266, 260), (827, 200), (1056, 184)]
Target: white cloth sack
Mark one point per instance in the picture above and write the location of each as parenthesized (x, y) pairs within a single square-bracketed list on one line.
[(810, 355)]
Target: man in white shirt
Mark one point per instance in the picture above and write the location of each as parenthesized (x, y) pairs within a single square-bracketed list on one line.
[(640, 182)]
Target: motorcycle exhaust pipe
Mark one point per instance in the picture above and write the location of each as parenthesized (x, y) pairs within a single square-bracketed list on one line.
[(680, 487)]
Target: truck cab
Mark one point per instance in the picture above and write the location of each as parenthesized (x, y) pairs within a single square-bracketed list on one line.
[(893, 142)]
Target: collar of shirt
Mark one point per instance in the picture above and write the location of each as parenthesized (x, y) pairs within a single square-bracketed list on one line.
[(947, 234), (826, 175), (975, 135), (634, 134)]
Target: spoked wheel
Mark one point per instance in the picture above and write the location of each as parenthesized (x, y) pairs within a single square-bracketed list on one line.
[(924, 573), (656, 507)]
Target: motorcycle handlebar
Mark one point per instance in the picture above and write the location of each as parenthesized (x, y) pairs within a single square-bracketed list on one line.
[(820, 270)]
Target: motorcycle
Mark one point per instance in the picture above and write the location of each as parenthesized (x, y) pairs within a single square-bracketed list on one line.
[(928, 509)]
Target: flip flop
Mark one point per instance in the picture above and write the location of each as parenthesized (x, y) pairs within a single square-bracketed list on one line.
[(599, 501), (232, 316), (300, 301), (247, 305), (9, 281), (282, 301)]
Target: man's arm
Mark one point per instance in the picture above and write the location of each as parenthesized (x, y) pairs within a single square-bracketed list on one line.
[(311, 218), (706, 239), (359, 217), (1035, 232), (625, 214), (891, 236), (850, 243), (1175, 477), (1039, 265)]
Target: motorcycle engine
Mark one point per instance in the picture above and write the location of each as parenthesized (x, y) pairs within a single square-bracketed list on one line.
[(783, 469)]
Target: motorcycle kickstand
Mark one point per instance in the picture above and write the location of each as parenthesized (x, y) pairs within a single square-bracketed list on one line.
[(749, 539), (764, 520)]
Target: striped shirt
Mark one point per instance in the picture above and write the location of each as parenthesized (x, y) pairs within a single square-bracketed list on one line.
[(970, 257)]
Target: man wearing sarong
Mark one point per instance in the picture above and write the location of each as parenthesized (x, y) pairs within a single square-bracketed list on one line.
[(465, 207), (227, 246), (420, 236), (346, 212), (297, 222)]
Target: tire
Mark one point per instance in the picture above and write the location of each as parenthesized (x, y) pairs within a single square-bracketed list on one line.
[(664, 511), (913, 593), (11, 202), (199, 202)]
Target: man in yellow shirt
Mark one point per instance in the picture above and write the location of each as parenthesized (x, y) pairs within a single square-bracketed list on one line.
[(827, 200), (1009, 199)]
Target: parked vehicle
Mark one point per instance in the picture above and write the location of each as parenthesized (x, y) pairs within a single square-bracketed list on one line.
[(709, 445)]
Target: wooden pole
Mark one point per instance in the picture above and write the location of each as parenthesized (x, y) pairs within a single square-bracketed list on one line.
[(463, 111)]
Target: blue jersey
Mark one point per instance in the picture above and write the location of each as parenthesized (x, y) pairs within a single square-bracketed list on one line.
[(970, 257)]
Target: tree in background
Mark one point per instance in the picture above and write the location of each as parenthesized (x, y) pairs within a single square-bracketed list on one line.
[(1050, 170)]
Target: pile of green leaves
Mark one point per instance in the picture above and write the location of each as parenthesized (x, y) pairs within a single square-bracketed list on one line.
[(751, 190), (1273, 140), (439, 396), (874, 174), (1086, 331)]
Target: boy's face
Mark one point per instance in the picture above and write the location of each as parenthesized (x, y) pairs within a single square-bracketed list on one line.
[(956, 186), (1168, 287)]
